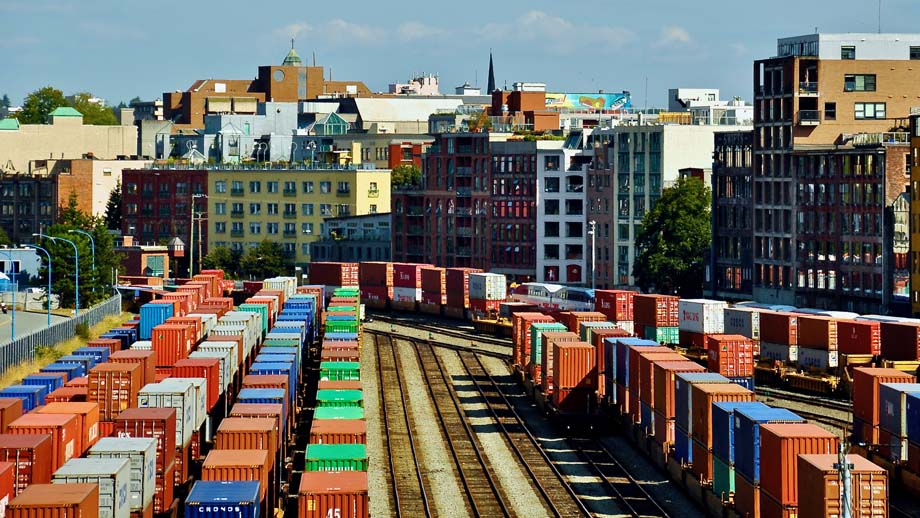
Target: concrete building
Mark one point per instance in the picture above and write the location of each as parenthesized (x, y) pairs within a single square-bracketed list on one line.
[(425, 84), (817, 90), (148, 111), (355, 238), (24, 267), (64, 137), (289, 206)]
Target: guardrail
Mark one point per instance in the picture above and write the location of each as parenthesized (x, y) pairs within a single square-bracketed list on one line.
[(23, 348)]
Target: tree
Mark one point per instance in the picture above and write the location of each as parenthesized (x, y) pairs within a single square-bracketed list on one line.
[(266, 260), (113, 209), (39, 104), (5, 101), (405, 175), (93, 113), (135, 101), (223, 258), (673, 239), (5, 238)]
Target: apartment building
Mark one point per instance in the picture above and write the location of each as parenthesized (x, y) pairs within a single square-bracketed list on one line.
[(816, 91), (355, 239), (730, 272), (289, 206), (914, 219)]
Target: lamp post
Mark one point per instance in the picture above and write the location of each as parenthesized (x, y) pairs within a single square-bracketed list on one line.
[(48, 294), (92, 249), (312, 147), (191, 236), (13, 317), (76, 269), (593, 234)]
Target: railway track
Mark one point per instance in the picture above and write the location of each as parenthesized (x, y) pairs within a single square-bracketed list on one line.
[(409, 496), (558, 495), (459, 348), (485, 498), (463, 335), (840, 406), (633, 498)]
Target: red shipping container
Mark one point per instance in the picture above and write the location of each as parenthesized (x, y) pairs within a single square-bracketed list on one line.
[(334, 274), (782, 444), (691, 340), (702, 461), (703, 396), (338, 385), (340, 356), (56, 501), (900, 341), (67, 395), (146, 359), (227, 465), (87, 417), (433, 299), (242, 433), (32, 455), (155, 423), (376, 296), (7, 484), (634, 352), (114, 344), (545, 371), (186, 302), (433, 280), (10, 410), (664, 429), (599, 335), (665, 376), (81, 381), (254, 410), (164, 488), (325, 493), (656, 310), (171, 342), (819, 479), (646, 372), (859, 337), (114, 386), (817, 332), (63, 428), (457, 282), (865, 394), (194, 322), (375, 273), (344, 345), (747, 497), (521, 336), (182, 462), (485, 306), (573, 319), (338, 431), (224, 302), (574, 365), (578, 400), (731, 355), (207, 368), (617, 305), (779, 328)]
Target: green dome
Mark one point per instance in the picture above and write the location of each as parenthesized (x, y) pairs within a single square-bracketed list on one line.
[(292, 59)]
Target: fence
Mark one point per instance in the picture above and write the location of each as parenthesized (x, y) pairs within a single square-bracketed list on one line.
[(23, 348)]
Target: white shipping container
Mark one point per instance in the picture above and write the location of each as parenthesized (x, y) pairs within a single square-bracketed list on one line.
[(113, 476), (702, 316), (224, 366), (142, 345), (743, 321), (208, 321), (286, 285), (401, 294), (627, 325), (201, 396), (816, 358), (141, 454), (178, 396), (780, 352), (488, 286), (231, 347)]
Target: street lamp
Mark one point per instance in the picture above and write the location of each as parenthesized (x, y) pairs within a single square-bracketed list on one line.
[(13, 317), (76, 269), (312, 147), (191, 236), (593, 234), (92, 249), (48, 294)]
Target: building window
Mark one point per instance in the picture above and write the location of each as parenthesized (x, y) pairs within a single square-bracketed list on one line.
[(870, 111), (859, 83), (325, 187), (325, 209), (255, 187), (220, 208), (289, 228), (271, 228), (551, 208), (272, 209), (255, 209), (343, 188), (306, 209), (372, 209), (551, 184), (306, 228), (551, 163), (220, 227), (830, 111), (307, 187), (255, 228), (915, 53), (551, 229), (272, 187), (220, 186), (236, 187), (847, 52)]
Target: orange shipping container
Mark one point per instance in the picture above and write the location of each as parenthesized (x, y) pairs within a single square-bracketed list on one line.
[(338, 385), (63, 428), (340, 356), (545, 372), (573, 319), (338, 431), (172, 342), (207, 368), (779, 328), (186, 302), (146, 359), (87, 417), (703, 396), (817, 332), (165, 484), (521, 335), (665, 376), (859, 337), (114, 386), (574, 365), (33, 456), (67, 395), (241, 433), (323, 493), (656, 310), (226, 465), (114, 344), (866, 383), (10, 410), (782, 444), (241, 354), (646, 372), (260, 410), (194, 322), (819, 479), (56, 501), (731, 355)]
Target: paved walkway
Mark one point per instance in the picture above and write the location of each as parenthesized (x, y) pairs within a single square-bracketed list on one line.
[(27, 322)]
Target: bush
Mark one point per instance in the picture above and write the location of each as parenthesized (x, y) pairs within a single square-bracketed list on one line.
[(82, 331)]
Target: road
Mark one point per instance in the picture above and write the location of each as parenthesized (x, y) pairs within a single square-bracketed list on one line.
[(26, 322)]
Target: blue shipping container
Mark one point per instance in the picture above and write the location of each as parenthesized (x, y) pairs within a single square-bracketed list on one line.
[(285, 351), (265, 396), (88, 362), (73, 370), (32, 396), (211, 499), (747, 383), (50, 381), (747, 437), (913, 418), (682, 395), (153, 315), (893, 406), (340, 337), (647, 418), (118, 336), (286, 368), (101, 354), (723, 428), (683, 446)]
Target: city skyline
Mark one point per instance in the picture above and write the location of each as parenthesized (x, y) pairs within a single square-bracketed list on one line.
[(91, 46)]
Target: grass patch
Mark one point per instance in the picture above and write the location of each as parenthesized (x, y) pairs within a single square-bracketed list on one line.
[(48, 354)]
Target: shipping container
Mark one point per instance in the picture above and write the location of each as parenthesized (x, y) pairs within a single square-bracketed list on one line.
[(723, 427), (617, 305), (893, 415), (31, 395), (779, 352), (63, 428), (819, 478), (207, 368), (669, 335), (408, 275), (656, 310), (375, 273), (141, 457), (200, 395), (228, 465), (746, 436), (336, 457), (338, 431), (181, 398), (87, 421), (171, 342), (704, 397), (114, 387), (865, 395), (683, 395), (226, 362), (645, 374), (10, 410), (487, 286), (51, 381), (112, 476), (259, 411), (664, 380), (859, 337), (152, 423), (66, 365), (32, 456), (219, 499), (731, 355), (267, 397), (743, 321), (782, 444), (900, 341), (338, 413), (240, 433), (779, 328), (340, 398), (333, 494), (147, 360), (817, 332), (702, 316), (534, 342), (334, 274), (340, 371), (816, 359), (56, 501)]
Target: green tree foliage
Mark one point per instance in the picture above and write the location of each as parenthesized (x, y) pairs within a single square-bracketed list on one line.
[(406, 175), (5, 101), (113, 209), (93, 113), (673, 240), (5, 238), (223, 258), (266, 260), (39, 104)]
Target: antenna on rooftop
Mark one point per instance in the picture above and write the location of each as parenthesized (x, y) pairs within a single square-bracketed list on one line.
[(292, 43), (879, 16)]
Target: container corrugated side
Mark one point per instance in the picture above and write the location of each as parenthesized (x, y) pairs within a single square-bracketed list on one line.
[(113, 476), (224, 499), (141, 455), (56, 501), (228, 465), (325, 494), (820, 480), (782, 444)]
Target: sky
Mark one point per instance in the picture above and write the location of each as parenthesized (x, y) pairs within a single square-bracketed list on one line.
[(119, 49)]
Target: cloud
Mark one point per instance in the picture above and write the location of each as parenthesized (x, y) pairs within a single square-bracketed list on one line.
[(411, 31), (293, 30), (336, 32), (556, 34), (672, 34)]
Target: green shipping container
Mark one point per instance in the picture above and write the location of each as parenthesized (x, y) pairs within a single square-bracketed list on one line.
[(723, 477), (339, 398), (346, 292), (257, 308), (663, 335), (340, 371), (536, 341), (338, 413), (336, 457), (352, 309), (341, 326)]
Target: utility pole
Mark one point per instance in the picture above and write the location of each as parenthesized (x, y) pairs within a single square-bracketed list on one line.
[(191, 236), (843, 468), (593, 233)]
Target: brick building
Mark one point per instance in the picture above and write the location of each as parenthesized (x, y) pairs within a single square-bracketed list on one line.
[(732, 207)]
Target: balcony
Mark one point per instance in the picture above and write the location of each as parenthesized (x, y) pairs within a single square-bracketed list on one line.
[(289, 234), (342, 192), (808, 89), (464, 192), (809, 117), (289, 215), (463, 211), (464, 172), (290, 193), (164, 194), (147, 212), (373, 193), (236, 192), (464, 149), (236, 233), (236, 214), (877, 139)]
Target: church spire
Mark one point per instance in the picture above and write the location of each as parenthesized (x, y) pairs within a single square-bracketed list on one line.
[(491, 86)]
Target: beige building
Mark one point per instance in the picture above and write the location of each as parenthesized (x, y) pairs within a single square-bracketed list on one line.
[(65, 137)]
